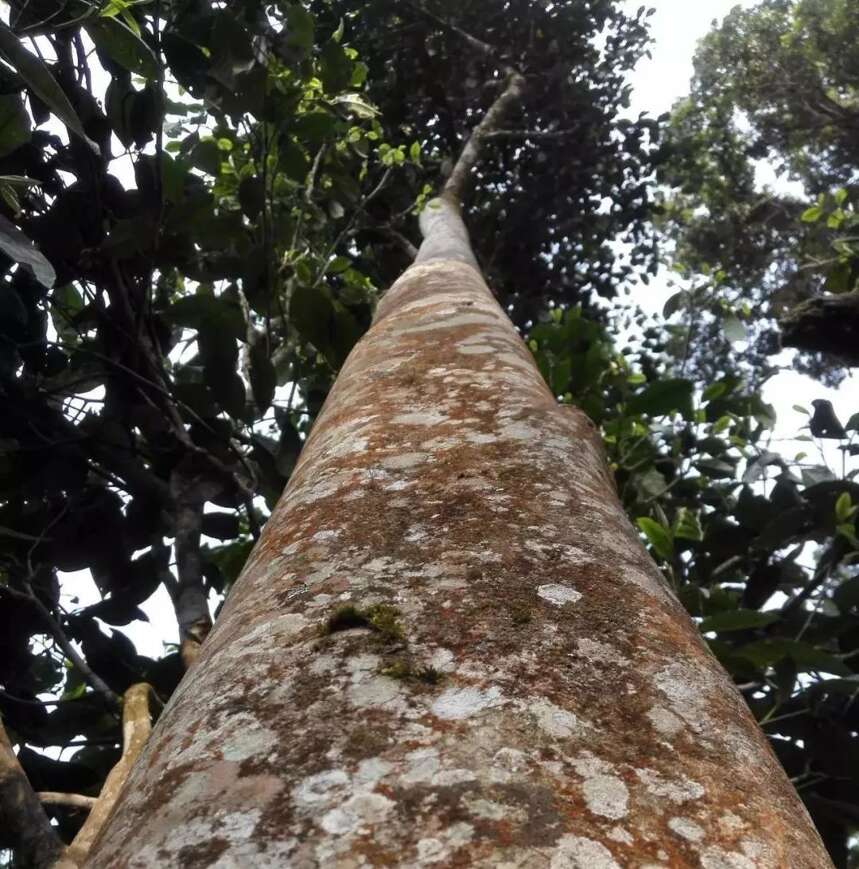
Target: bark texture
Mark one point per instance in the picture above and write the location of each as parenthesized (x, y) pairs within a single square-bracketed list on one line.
[(449, 647), (24, 825)]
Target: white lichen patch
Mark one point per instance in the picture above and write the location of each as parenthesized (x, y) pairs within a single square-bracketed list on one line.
[(420, 417), (443, 661), (457, 704), (321, 789), (480, 438), (686, 829), (558, 595), (403, 461), (377, 692), (353, 816), (679, 790), (719, 858), (439, 848), (493, 811), (605, 793), (519, 430), (249, 739), (664, 721), (599, 652), (686, 688), (577, 852), (475, 349), (556, 722), (619, 834)]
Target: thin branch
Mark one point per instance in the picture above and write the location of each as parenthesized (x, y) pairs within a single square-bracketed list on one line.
[(74, 801), (136, 727), (22, 818), (64, 643), (478, 45), (531, 134), (511, 97)]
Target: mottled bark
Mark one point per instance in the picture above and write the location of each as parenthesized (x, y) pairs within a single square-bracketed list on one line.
[(449, 646), (24, 825)]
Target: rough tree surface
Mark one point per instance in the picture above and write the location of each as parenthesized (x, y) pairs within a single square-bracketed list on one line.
[(449, 646)]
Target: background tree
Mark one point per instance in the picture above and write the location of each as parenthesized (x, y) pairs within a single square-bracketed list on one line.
[(775, 84)]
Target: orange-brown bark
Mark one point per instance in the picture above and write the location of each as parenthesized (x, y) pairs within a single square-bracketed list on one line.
[(449, 647)]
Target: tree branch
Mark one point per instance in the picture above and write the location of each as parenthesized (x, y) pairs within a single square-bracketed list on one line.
[(136, 727), (455, 186), (74, 801), (22, 817), (64, 643)]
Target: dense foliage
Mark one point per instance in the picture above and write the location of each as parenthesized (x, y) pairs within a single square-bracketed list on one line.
[(775, 86), (201, 204)]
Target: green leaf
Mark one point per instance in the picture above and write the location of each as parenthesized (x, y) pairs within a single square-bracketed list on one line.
[(299, 28), (765, 653), (663, 397), (356, 105), (737, 620), (14, 124), (675, 303), (659, 537), (733, 328), (38, 77), (252, 196), (21, 250), (123, 46), (844, 509), (811, 215), (335, 68), (206, 155), (687, 525), (215, 313), (263, 376)]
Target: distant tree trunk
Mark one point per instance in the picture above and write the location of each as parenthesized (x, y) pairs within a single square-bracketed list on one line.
[(449, 646)]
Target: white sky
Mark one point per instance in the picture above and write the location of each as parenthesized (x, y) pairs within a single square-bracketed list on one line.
[(676, 26)]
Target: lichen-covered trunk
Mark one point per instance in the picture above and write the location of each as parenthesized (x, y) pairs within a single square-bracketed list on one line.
[(449, 647)]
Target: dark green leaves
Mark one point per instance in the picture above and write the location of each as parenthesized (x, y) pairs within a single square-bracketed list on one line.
[(14, 123), (336, 68), (299, 29), (658, 536), (664, 396), (122, 45), (737, 620), (263, 375), (21, 250), (39, 78), (324, 322)]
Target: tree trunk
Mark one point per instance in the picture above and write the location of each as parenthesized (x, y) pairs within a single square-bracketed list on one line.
[(449, 646)]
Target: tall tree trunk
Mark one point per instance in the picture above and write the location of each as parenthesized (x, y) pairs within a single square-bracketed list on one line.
[(449, 646)]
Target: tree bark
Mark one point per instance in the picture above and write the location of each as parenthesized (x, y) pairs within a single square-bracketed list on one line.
[(449, 646)]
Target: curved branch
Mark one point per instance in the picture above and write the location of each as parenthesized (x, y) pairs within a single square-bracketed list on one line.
[(136, 727)]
